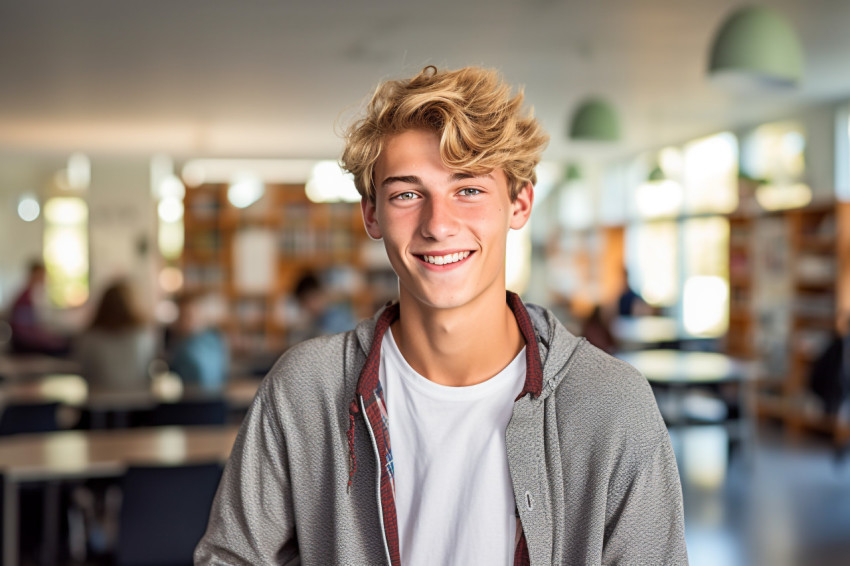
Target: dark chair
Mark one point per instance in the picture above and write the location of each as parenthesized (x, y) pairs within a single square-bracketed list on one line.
[(184, 413), (22, 419), (164, 513), (30, 417)]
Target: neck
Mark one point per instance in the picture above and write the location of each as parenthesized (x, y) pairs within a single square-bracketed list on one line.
[(459, 346)]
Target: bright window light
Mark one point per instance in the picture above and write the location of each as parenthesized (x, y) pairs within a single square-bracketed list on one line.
[(711, 174), (705, 305), (575, 206), (775, 152), (655, 199), (775, 197), (66, 254), (171, 238), (28, 208), (518, 259), (171, 187), (67, 211), (672, 162), (655, 246), (329, 183), (170, 209)]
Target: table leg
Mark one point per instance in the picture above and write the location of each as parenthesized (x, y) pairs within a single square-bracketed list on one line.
[(50, 531), (10, 521)]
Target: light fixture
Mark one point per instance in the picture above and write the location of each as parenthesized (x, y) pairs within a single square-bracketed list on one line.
[(245, 189), (28, 207), (573, 173), (329, 183), (595, 120), (756, 47)]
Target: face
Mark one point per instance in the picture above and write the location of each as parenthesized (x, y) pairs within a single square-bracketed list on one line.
[(444, 229)]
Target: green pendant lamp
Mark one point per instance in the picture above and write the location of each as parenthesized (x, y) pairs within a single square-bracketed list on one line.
[(756, 48), (573, 173), (595, 120)]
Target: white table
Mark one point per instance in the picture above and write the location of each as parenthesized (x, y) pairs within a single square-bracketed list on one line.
[(635, 332), (72, 390), (14, 367), (59, 456)]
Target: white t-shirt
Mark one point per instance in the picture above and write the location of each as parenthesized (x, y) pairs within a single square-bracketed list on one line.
[(453, 493)]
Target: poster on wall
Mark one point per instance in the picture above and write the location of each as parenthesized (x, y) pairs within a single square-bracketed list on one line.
[(254, 260)]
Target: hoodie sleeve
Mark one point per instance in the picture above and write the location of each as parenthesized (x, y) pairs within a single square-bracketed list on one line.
[(252, 519), (644, 522)]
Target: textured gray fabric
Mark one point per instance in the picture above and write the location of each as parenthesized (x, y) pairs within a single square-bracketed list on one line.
[(594, 476)]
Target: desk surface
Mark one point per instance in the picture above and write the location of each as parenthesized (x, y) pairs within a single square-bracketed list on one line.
[(72, 390), (678, 367), (23, 366), (640, 330), (84, 454)]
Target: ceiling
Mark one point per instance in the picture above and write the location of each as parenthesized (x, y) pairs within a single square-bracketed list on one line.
[(279, 79)]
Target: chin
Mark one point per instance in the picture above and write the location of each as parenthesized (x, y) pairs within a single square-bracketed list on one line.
[(442, 299)]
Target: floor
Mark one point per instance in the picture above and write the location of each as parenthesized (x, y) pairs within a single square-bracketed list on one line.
[(778, 503)]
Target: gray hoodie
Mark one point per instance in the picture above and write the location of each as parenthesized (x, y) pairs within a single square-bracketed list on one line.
[(593, 471)]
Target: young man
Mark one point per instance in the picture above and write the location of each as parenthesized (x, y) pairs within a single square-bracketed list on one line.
[(459, 425)]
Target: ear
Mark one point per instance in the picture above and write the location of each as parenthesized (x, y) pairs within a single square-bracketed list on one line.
[(370, 218), (521, 207)]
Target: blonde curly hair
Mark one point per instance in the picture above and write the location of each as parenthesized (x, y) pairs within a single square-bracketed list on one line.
[(482, 126)]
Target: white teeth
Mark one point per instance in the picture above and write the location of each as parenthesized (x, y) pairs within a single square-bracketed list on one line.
[(445, 259)]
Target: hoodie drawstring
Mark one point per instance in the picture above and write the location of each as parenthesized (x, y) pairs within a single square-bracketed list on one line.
[(352, 458)]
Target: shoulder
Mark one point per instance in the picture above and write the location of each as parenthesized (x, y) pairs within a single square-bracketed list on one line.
[(312, 371), (607, 399)]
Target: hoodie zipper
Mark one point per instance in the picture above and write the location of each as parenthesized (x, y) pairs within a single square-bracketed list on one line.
[(378, 490)]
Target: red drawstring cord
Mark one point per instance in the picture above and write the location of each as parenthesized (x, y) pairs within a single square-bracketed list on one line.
[(352, 458)]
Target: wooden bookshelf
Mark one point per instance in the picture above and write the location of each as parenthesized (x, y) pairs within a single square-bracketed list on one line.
[(814, 269), (306, 236), (741, 337)]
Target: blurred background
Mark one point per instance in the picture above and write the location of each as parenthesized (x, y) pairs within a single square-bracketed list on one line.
[(173, 218)]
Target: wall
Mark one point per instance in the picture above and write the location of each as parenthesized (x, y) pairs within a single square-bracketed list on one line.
[(122, 222), (20, 241)]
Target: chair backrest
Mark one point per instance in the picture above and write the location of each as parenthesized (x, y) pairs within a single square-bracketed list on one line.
[(28, 417), (183, 413), (164, 513)]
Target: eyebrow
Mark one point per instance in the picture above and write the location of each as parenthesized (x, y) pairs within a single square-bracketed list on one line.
[(414, 180), (409, 179)]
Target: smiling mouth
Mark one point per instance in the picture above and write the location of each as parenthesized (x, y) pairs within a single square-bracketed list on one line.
[(444, 259)]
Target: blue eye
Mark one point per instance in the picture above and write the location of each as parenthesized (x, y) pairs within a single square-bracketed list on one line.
[(469, 191), (406, 196)]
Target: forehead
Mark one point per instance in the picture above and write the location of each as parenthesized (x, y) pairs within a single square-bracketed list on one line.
[(417, 153)]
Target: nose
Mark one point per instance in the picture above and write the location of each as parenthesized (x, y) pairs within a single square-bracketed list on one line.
[(439, 220)]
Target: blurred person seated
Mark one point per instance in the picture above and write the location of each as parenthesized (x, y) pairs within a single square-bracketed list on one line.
[(319, 314), (597, 330), (630, 303), (119, 344), (200, 356), (30, 334), (829, 377)]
